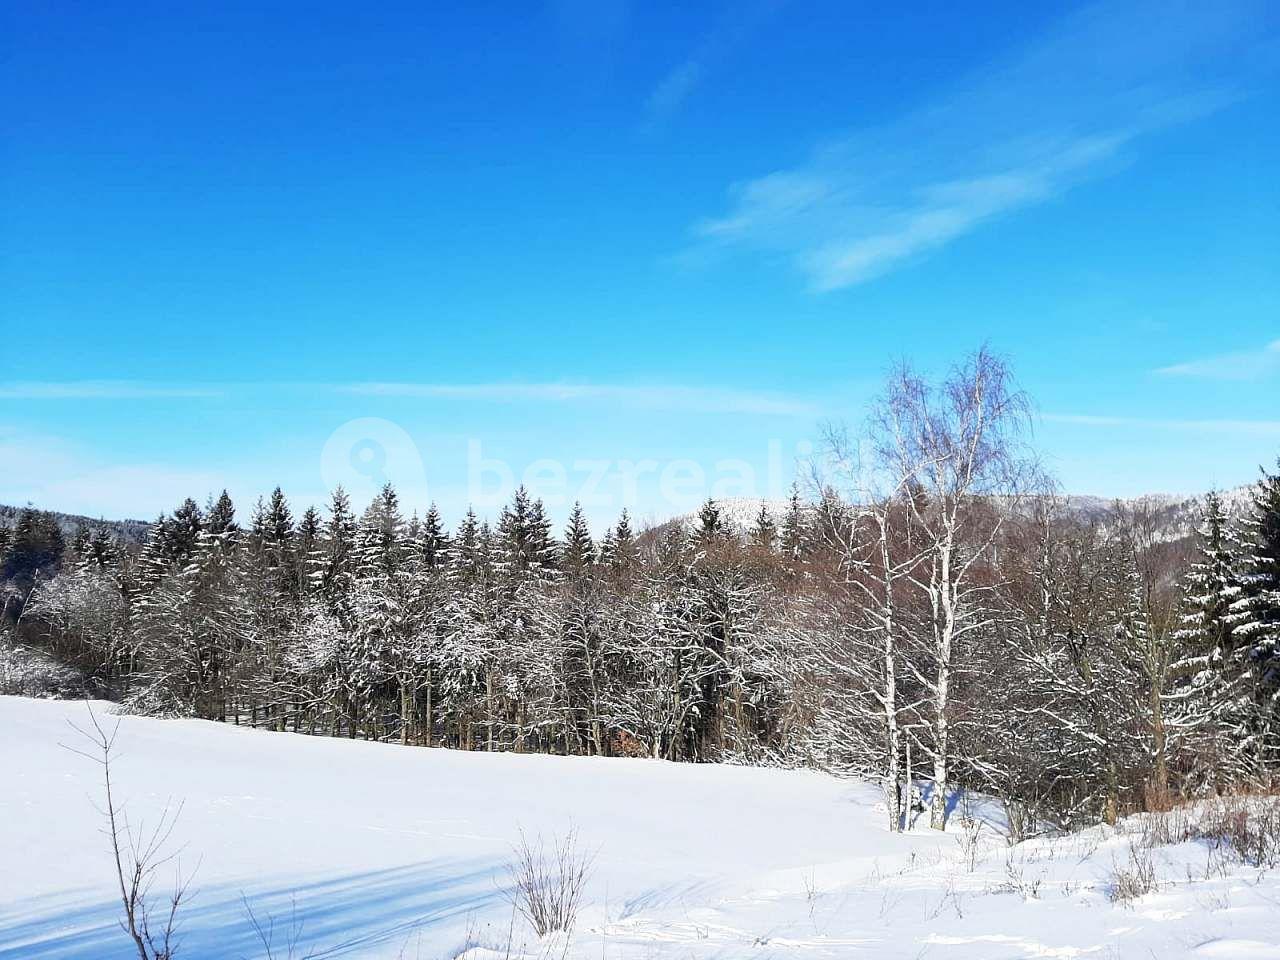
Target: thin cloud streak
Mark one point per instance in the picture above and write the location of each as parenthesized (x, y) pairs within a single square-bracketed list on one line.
[(1018, 133), (679, 397), (653, 397), (100, 390), (1239, 365), (680, 82)]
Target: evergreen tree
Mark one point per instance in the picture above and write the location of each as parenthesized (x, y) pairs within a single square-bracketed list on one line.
[(524, 543), (220, 516), (618, 551), (103, 551), (35, 550), (153, 560), (470, 558), (336, 560), (579, 550), (380, 542), (182, 532), (432, 542), (277, 533), (78, 548), (1213, 677), (764, 534), (309, 562), (1255, 614), (711, 528), (793, 528)]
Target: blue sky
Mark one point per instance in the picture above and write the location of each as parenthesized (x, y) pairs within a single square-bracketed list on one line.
[(311, 243)]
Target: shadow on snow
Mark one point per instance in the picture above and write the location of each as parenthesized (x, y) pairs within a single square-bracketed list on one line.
[(338, 917)]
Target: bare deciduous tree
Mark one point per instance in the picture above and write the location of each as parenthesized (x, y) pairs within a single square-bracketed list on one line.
[(956, 449), (138, 853)]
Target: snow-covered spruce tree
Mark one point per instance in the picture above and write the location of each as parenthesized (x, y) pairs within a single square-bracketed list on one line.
[(1212, 701), (526, 685), (1254, 615), (35, 551), (103, 551), (270, 576), (307, 552), (579, 551), (388, 652), (194, 626), (581, 598), (711, 529), (764, 532), (381, 545), (78, 547), (469, 645), (432, 543), (183, 531), (793, 536), (153, 559), (619, 554), (336, 560), (524, 543), (220, 516)]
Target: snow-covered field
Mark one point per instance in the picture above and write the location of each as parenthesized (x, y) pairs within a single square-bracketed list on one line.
[(381, 851)]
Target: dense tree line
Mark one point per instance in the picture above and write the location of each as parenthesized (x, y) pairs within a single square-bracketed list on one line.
[(932, 613)]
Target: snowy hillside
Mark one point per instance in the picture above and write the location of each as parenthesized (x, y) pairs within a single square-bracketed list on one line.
[(372, 850), (126, 531), (737, 513), (1177, 514)]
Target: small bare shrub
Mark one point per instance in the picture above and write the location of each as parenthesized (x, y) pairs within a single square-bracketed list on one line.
[(1249, 826), (1134, 879), (1167, 827), (968, 841), (1017, 881), (811, 895), (265, 929), (547, 885)]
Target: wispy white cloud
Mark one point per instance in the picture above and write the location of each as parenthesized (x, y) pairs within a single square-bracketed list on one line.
[(1020, 132), (100, 390), (1239, 365), (652, 397), (678, 397), (672, 91), (679, 83), (1252, 428)]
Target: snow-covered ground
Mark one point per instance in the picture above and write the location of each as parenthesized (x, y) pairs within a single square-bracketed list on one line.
[(382, 851)]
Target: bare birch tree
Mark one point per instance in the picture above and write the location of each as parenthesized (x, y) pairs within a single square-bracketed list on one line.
[(957, 448)]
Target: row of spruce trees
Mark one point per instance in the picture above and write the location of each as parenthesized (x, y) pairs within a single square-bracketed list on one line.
[(700, 645), (962, 628)]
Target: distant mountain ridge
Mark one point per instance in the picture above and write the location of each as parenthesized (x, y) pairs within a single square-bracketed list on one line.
[(1177, 515), (127, 531)]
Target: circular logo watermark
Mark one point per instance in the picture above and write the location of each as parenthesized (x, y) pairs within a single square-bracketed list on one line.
[(364, 455)]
